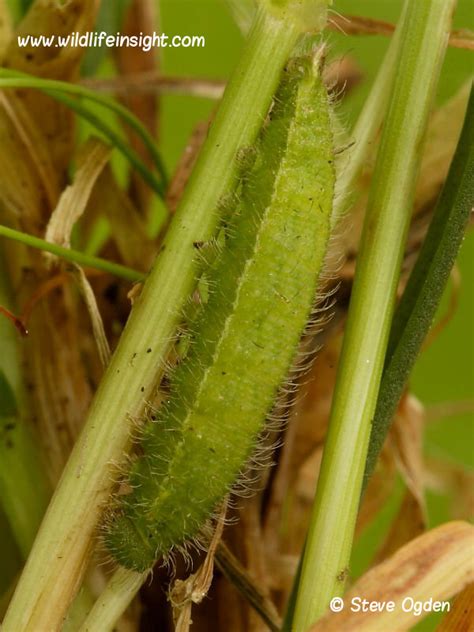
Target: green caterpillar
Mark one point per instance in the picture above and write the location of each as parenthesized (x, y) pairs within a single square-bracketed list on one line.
[(261, 281)]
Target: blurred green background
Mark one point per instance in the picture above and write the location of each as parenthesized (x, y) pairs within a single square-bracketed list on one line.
[(445, 372)]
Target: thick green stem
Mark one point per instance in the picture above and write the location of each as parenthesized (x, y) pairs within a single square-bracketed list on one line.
[(423, 41), (54, 569), (75, 256)]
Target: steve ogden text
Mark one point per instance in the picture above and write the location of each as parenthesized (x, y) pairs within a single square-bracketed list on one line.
[(407, 604)]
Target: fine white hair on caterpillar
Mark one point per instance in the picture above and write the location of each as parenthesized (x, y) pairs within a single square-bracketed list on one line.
[(240, 339)]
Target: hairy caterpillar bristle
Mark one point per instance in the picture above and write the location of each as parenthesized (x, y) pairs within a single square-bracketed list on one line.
[(260, 274)]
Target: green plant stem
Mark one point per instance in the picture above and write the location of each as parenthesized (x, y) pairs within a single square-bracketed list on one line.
[(417, 308), (119, 143), (367, 126), (349, 167), (55, 566), (329, 541), (75, 256), (113, 601)]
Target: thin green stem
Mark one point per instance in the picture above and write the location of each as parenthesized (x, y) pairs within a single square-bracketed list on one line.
[(56, 562), (75, 256), (74, 104), (368, 124), (24, 80), (113, 601), (328, 547), (348, 166), (417, 308)]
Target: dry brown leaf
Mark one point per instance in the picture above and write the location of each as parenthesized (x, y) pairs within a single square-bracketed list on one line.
[(441, 140), (250, 535), (193, 590), (127, 226), (357, 25), (5, 27), (32, 142), (294, 481), (436, 565), (48, 17), (23, 195), (153, 83), (461, 616), (55, 375), (313, 409), (97, 324), (340, 75), (443, 131), (379, 489), (240, 578), (409, 522), (31, 167), (185, 165), (442, 410), (91, 161), (454, 481), (249, 574), (405, 440)]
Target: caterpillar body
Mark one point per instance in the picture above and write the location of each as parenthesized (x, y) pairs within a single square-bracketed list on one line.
[(261, 284)]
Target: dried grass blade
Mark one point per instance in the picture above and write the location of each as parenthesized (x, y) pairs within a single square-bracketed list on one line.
[(434, 565), (94, 313), (461, 616), (73, 202)]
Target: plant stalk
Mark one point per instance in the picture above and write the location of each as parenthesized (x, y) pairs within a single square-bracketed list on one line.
[(367, 126), (75, 256), (113, 601), (424, 38), (55, 567)]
